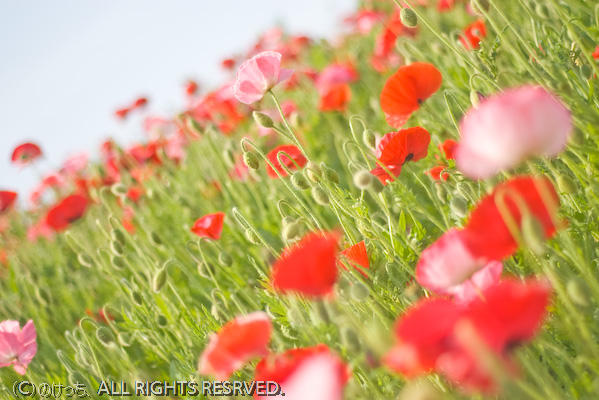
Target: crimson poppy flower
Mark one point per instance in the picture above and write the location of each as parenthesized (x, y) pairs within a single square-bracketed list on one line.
[(397, 148), (507, 315), (336, 99), (422, 334), (309, 267), (489, 237), (357, 257), (299, 371), (438, 173), (237, 342), (474, 34), (67, 211), (292, 151), (25, 154), (407, 89), (7, 199), (210, 226), (448, 148), (191, 87)]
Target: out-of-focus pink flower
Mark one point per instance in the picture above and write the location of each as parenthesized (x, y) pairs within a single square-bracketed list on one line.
[(507, 128), (39, 229), (17, 346), (334, 75), (75, 164), (365, 20), (258, 75), (481, 280)]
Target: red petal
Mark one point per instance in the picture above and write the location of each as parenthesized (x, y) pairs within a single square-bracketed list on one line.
[(293, 151)]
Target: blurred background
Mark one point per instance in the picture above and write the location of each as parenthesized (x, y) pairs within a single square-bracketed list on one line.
[(67, 65)]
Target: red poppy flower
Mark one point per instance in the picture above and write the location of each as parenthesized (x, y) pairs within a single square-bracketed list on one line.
[(445, 5), (69, 210), (122, 113), (228, 64), (140, 102), (25, 154), (423, 334), (210, 226), (397, 148), (448, 147), (357, 257), (292, 368), (292, 151), (438, 173), (509, 314), (596, 53), (407, 89), (191, 87), (336, 99), (309, 267), (235, 344), (474, 34), (488, 235), (7, 199)]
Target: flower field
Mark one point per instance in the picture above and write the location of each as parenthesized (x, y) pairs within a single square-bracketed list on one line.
[(407, 211)]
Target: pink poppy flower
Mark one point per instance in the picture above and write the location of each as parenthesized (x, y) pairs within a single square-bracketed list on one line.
[(509, 127), (258, 75), (334, 75), (210, 226), (17, 346), (236, 343), (75, 164)]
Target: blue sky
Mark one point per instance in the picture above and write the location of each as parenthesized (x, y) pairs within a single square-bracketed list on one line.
[(66, 65)]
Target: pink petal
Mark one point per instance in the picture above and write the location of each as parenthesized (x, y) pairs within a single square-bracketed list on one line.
[(316, 379)]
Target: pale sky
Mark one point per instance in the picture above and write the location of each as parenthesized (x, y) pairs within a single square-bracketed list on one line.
[(66, 65)]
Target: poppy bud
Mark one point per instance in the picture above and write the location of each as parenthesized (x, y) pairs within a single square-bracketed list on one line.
[(251, 160), (376, 185), (331, 175), (118, 190), (118, 236), (225, 259), (362, 179), (137, 298), (155, 238), (474, 98), (533, 234), (287, 220), (458, 206), (478, 6), (104, 335), (206, 270), (314, 171), (159, 280), (408, 18), (320, 196), (216, 313), (118, 262), (299, 181), (578, 292), (350, 339), (85, 260), (359, 291), (228, 156), (566, 184), (252, 236), (116, 248), (162, 321), (291, 231), (194, 126), (369, 139), (263, 119)]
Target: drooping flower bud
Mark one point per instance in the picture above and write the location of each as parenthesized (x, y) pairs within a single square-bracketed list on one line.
[(299, 181), (85, 260), (408, 17), (331, 175), (159, 279), (225, 259), (369, 139), (250, 159), (578, 292), (362, 179), (263, 119), (252, 237), (359, 291), (458, 206), (478, 6), (566, 184), (533, 234), (291, 231), (105, 335), (320, 196), (313, 171)]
